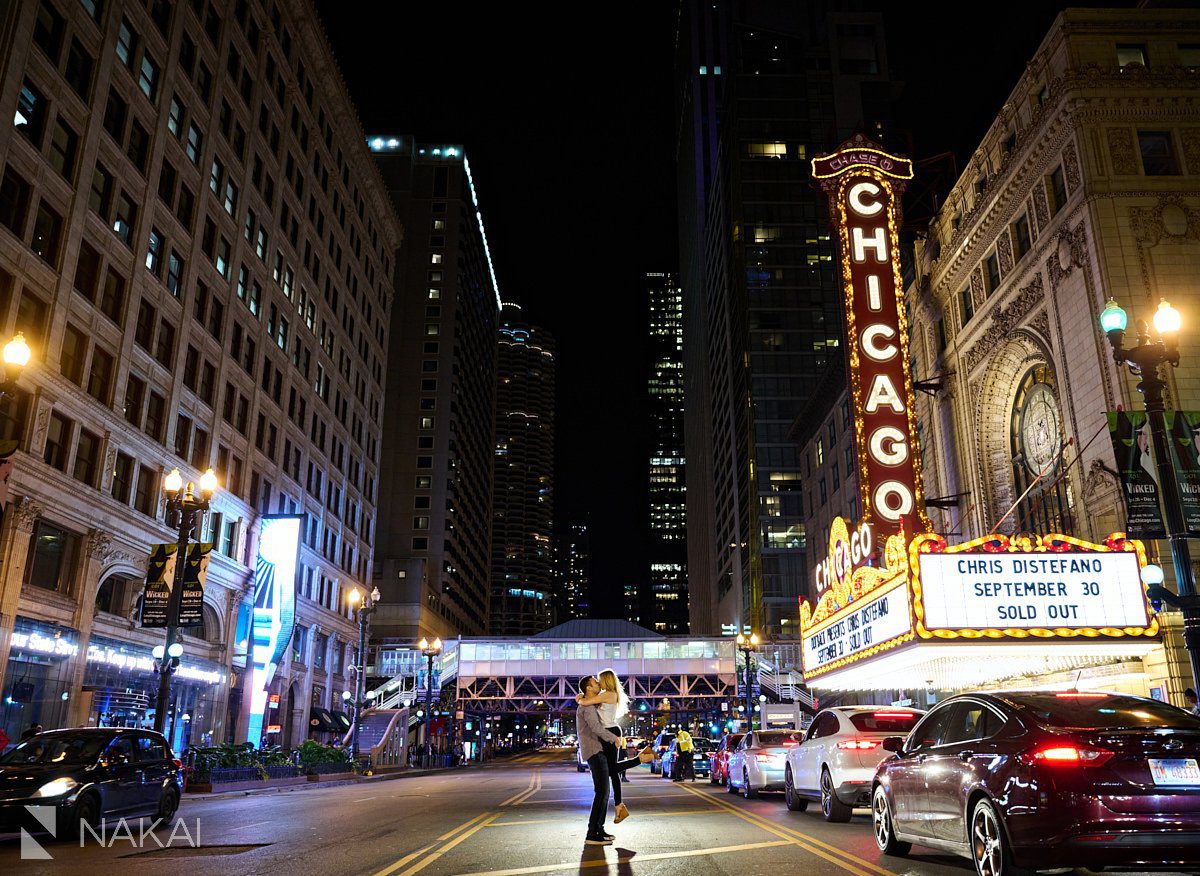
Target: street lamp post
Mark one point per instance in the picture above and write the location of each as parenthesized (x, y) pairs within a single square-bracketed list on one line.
[(184, 509), (430, 650), (748, 645), (365, 604), (16, 357), (1146, 361)]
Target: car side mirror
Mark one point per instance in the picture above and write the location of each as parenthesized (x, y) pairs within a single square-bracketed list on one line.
[(894, 744)]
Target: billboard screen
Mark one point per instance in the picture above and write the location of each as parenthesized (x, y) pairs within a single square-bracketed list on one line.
[(274, 608)]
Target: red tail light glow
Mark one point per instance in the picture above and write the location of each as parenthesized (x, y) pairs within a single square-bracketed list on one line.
[(1081, 695), (178, 763), (1064, 755), (893, 715), (858, 744)]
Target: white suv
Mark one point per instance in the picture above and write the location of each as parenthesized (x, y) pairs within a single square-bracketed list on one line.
[(837, 759)]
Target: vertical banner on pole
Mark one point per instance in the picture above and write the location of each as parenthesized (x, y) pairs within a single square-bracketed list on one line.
[(195, 573), (160, 576), (1185, 462), (1132, 447)]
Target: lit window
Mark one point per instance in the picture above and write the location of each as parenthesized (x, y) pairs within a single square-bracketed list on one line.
[(703, 71), (435, 258), (767, 150)]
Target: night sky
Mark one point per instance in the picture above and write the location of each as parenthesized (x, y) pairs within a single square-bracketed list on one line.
[(569, 126)]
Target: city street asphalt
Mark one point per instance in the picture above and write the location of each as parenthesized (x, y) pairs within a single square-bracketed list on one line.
[(527, 815)]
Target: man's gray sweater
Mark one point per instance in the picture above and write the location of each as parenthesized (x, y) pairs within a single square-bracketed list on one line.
[(591, 731)]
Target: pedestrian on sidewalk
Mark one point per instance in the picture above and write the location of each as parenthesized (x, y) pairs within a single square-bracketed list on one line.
[(592, 736), (613, 704)]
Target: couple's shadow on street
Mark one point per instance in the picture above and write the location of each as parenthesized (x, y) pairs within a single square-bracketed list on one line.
[(594, 857)]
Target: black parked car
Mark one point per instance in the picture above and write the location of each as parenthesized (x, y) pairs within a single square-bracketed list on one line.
[(1044, 780), (89, 774)]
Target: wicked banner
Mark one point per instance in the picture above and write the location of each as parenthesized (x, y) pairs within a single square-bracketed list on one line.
[(1182, 427), (1130, 434), (191, 604), (157, 593)]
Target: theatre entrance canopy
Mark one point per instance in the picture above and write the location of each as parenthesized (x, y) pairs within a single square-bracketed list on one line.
[(948, 617)]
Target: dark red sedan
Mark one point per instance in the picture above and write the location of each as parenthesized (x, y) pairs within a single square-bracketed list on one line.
[(719, 761), (1045, 780)]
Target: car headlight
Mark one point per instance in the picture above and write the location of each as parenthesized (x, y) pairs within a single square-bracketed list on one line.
[(56, 788)]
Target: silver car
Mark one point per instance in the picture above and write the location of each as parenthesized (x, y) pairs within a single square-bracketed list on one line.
[(759, 761)]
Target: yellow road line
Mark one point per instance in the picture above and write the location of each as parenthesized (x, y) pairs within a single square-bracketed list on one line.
[(848, 861), (462, 826), (535, 781), (528, 787), (429, 859), (627, 859), (396, 866)]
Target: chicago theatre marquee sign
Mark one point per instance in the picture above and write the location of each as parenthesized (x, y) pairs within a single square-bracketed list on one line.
[(897, 606)]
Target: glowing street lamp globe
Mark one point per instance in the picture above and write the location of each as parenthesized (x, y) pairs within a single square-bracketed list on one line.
[(1152, 575), (16, 351), (1167, 320), (1114, 318), (173, 482)]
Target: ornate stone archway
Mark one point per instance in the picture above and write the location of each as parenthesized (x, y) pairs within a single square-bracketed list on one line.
[(1007, 366)]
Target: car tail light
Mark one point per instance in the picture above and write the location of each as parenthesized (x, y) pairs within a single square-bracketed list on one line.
[(790, 743), (858, 744), (1066, 755), (178, 763), (1082, 695), (892, 715)]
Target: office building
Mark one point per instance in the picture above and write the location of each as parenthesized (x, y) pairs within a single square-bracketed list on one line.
[(199, 250), (523, 574), (575, 559), (434, 552), (761, 87), (664, 605)]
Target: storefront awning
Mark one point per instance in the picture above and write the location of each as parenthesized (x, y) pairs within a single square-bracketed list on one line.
[(342, 720), (321, 721)]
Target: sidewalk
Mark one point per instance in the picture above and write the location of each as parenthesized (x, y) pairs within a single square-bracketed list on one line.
[(380, 776)]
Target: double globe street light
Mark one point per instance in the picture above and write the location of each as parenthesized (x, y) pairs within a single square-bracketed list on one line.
[(748, 645), (1146, 361), (431, 650), (185, 507), (365, 604)]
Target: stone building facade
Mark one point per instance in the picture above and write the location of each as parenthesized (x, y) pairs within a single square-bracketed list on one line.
[(199, 250), (1086, 186)]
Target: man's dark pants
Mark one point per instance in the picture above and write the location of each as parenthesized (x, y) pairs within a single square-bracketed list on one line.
[(598, 764)]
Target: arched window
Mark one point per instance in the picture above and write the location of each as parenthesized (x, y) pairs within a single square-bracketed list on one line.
[(210, 630), (1042, 491), (113, 594)]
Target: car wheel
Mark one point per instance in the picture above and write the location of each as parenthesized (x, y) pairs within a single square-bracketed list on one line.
[(168, 805), (989, 846), (885, 833), (748, 792), (86, 811), (795, 803), (832, 808), (729, 783), (713, 778)]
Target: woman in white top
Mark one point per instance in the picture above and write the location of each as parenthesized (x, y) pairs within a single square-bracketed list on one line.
[(612, 704)]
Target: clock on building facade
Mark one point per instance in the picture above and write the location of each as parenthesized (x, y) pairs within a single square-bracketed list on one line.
[(1041, 488)]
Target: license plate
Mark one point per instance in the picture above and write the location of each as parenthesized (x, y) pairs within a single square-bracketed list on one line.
[(1181, 771)]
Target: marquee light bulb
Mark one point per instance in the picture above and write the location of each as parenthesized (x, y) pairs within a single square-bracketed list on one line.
[(1152, 574)]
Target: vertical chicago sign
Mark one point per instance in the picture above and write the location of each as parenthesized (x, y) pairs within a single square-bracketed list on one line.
[(863, 183)]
